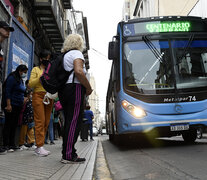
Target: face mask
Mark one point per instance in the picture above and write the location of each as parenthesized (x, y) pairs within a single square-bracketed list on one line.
[(45, 62), (23, 75)]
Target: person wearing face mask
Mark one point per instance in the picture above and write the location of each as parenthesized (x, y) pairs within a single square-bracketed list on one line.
[(41, 111), (12, 102)]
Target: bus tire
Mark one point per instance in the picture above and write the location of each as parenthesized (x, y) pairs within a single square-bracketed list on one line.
[(199, 133), (112, 135), (190, 136)]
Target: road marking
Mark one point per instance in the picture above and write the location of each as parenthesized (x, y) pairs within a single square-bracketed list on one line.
[(101, 168)]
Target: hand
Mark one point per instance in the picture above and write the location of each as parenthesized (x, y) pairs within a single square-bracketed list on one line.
[(89, 91), (8, 108)]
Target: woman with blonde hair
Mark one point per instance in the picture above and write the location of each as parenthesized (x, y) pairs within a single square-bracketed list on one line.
[(72, 96)]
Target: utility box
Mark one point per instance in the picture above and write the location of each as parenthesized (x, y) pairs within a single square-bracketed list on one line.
[(21, 48)]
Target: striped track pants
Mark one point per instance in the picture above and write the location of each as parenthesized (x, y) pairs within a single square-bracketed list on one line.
[(71, 98)]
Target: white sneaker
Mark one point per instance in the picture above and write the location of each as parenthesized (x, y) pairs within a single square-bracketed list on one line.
[(23, 147), (40, 152), (10, 150), (47, 151), (33, 147)]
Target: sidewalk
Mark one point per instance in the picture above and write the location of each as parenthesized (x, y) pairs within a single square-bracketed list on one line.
[(26, 165)]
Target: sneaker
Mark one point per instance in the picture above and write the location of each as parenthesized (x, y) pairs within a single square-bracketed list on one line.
[(47, 151), (92, 139), (76, 160), (33, 147), (10, 150), (23, 147), (40, 152), (3, 151)]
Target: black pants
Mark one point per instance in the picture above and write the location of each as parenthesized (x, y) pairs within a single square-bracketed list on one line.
[(84, 131), (56, 131), (11, 122), (71, 97)]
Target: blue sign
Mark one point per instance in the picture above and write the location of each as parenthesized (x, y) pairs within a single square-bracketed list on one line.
[(21, 48)]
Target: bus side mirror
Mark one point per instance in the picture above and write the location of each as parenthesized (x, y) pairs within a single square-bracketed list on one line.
[(113, 50)]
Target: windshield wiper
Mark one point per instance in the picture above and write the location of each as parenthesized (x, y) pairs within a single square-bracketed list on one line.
[(154, 50), (156, 53)]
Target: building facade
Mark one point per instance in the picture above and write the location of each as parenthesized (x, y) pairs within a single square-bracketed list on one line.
[(199, 9), (150, 8), (94, 102), (47, 21)]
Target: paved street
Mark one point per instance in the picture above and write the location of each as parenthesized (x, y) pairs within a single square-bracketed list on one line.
[(26, 165), (157, 159)]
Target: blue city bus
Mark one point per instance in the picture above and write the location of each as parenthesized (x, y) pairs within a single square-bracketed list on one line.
[(158, 80)]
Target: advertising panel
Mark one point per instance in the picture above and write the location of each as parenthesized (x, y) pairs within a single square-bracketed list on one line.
[(21, 50)]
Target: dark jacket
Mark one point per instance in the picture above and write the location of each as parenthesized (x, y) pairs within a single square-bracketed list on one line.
[(14, 90)]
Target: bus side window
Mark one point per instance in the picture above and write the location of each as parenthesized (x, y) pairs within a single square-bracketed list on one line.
[(117, 74), (115, 80), (113, 74)]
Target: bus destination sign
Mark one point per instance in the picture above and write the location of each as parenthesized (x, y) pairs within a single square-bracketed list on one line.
[(132, 29), (168, 27)]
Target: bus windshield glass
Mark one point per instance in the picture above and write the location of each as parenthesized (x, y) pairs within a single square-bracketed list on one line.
[(161, 66)]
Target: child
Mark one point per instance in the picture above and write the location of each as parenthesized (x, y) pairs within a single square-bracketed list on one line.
[(27, 124)]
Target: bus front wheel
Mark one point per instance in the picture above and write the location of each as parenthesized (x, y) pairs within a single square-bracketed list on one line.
[(190, 136)]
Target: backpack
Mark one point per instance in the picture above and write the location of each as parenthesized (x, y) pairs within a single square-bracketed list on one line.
[(55, 76)]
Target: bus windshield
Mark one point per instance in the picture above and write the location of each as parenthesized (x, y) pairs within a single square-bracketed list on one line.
[(161, 66)]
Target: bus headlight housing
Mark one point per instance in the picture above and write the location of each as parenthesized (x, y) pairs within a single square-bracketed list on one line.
[(135, 111)]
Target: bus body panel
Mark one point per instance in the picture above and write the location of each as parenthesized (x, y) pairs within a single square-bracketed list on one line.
[(166, 108), (159, 115)]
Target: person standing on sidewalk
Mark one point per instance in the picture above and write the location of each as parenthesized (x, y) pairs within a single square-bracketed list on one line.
[(72, 96), (88, 114), (27, 127), (42, 111), (12, 102), (5, 30)]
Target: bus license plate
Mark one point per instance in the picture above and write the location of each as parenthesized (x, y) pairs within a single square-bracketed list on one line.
[(179, 127)]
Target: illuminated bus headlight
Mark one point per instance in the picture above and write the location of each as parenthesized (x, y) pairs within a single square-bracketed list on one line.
[(137, 112)]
